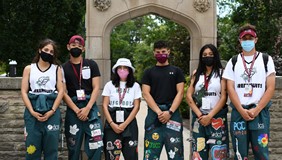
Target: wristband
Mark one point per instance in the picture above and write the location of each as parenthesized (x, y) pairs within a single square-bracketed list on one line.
[(170, 112), (111, 122), (53, 109)]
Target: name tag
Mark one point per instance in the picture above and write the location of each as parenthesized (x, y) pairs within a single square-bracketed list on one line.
[(206, 103), (80, 94), (120, 116), (248, 91)]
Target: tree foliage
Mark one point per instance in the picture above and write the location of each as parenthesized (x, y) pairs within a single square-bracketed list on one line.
[(25, 23), (264, 14)]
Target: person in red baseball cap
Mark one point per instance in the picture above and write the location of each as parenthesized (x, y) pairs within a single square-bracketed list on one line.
[(82, 82), (251, 84)]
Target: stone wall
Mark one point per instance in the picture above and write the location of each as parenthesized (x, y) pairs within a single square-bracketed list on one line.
[(12, 125)]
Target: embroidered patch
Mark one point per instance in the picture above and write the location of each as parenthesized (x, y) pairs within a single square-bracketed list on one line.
[(155, 136), (71, 141), (200, 144), (118, 144), (196, 127), (147, 143), (25, 133), (196, 156), (263, 140), (171, 154), (173, 125), (211, 141), (110, 145), (31, 149), (217, 123), (73, 129), (95, 145), (219, 151)]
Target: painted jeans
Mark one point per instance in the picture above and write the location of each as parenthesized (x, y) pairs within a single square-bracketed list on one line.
[(90, 130), (211, 140), (255, 131), (42, 137), (158, 134)]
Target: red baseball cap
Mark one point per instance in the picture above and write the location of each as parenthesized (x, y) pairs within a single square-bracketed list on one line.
[(78, 38), (248, 31)]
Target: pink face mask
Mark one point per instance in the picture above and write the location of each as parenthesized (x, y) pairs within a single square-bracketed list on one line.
[(161, 57), (122, 73)]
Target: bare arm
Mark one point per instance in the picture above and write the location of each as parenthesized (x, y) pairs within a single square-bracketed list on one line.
[(270, 88), (95, 92), (149, 99), (132, 115), (190, 100), (206, 119), (236, 101)]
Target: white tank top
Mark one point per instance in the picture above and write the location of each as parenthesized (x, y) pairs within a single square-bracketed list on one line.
[(42, 82), (214, 90)]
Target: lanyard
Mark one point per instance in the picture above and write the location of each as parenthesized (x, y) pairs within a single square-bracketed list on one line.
[(207, 80), (76, 74), (121, 97), (249, 71)]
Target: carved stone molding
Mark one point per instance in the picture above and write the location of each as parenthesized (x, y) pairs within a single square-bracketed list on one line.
[(102, 5), (202, 5)]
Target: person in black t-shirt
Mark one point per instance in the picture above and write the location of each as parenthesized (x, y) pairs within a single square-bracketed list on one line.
[(163, 87), (82, 79)]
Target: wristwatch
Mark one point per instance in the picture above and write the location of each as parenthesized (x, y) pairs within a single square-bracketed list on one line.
[(170, 112)]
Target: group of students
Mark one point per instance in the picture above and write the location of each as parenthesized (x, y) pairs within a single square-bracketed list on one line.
[(77, 82)]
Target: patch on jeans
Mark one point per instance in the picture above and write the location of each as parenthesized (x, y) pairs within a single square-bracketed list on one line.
[(174, 140), (219, 151), (200, 144), (118, 143), (171, 154), (217, 123), (73, 129), (155, 136), (196, 127), (196, 156), (31, 149), (133, 143), (211, 141), (94, 126), (173, 125), (53, 127), (263, 140), (95, 145), (110, 146)]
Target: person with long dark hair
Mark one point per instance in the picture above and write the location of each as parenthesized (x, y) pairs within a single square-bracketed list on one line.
[(121, 102), (42, 92), (207, 97)]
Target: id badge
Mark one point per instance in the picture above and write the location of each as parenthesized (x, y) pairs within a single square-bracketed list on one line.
[(206, 103), (248, 91), (120, 116), (80, 94)]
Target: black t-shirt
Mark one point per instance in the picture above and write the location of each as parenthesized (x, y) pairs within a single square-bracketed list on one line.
[(72, 81), (163, 81)]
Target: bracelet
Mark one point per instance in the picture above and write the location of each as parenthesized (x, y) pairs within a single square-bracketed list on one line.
[(170, 112), (53, 109), (111, 122)]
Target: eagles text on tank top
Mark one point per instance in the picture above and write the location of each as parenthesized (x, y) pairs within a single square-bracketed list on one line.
[(42, 82)]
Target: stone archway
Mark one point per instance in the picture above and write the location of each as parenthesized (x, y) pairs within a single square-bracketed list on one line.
[(198, 16)]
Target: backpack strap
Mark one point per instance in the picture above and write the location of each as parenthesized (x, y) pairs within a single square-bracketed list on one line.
[(264, 56), (265, 61), (234, 61)]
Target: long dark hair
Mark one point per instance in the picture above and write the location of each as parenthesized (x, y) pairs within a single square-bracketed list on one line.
[(202, 68), (129, 81), (41, 45)]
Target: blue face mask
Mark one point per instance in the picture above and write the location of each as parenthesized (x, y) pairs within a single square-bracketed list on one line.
[(248, 45)]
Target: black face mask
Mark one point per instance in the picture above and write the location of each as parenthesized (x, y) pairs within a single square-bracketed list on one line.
[(75, 52), (46, 57), (208, 61)]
